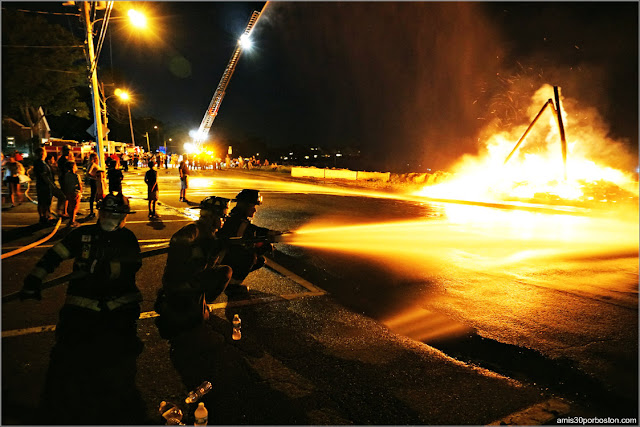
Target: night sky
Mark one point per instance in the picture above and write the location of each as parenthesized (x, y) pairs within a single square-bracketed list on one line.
[(405, 82)]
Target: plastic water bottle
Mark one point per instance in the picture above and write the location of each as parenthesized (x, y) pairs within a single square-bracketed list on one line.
[(201, 415), (171, 413), (198, 392), (237, 324)]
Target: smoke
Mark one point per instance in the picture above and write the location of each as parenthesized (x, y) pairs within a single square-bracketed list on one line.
[(413, 85), (399, 80)]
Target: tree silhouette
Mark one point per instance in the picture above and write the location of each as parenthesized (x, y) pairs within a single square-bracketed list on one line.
[(43, 66)]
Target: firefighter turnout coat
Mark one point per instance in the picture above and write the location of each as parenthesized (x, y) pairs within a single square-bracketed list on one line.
[(191, 278), (243, 259), (109, 261)]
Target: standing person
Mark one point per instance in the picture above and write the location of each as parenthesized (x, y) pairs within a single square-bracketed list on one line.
[(151, 178), (136, 159), (166, 161), (92, 172), (101, 185), (184, 174), (241, 259), (57, 192), (92, 369), (44, 185), (73, 192), (115, 157), (192, 275), (12, 176), (62, 163), (115, 177), (125, 162), (62, 170)]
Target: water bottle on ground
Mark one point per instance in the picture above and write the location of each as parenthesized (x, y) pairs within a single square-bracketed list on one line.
[(198, 392), (201, 415), (237, 324), (171, 413)]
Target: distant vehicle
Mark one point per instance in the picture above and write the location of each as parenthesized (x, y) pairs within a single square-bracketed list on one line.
[(79, 150)]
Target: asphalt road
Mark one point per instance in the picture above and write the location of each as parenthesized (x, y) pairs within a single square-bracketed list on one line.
[(547, 298)]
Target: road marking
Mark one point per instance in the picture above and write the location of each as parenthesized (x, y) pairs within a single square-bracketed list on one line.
[(152, 314), (161, 242), (161, 220), (27, 331), (291, 275)]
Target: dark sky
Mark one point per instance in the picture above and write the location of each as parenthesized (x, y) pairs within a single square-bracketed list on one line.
[(406, 82)]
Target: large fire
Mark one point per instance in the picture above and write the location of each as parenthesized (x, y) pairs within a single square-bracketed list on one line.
[(536, 171)]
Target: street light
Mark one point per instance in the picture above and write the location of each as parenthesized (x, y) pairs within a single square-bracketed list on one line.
[(137, 19), (125, 97), (93, 70), (157, 134)]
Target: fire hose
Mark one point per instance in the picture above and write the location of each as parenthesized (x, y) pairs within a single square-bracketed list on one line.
[(147, 254), (31, 245), (34, 244)]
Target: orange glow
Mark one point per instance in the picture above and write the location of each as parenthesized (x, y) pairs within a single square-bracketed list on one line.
[(474, 257), (137, 18), (535, 173), (425, 325), (478, 238)]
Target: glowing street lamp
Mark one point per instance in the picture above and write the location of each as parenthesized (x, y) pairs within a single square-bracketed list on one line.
[(125, 97), (137, 19), (92, 62)]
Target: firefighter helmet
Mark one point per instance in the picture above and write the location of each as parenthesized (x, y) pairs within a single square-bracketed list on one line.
[(114, 202), (252, 197), (217, 205)]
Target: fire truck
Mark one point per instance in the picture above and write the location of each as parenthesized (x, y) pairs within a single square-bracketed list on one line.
[(79, 150)]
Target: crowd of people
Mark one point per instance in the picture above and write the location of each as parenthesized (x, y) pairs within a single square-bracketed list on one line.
[(63, 178)]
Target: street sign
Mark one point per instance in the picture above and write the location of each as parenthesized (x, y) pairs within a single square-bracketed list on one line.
[(92, 130)]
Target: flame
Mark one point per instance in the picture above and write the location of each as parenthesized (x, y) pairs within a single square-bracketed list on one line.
[(536, 170)]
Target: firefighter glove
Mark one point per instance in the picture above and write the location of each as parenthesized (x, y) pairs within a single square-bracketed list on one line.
[(31, 288)]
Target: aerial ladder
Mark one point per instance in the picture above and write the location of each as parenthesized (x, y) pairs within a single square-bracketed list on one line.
[(214, 106)]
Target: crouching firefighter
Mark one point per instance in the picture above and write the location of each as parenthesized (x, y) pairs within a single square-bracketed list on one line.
[(193, 275), (244, 258), (93, 360)]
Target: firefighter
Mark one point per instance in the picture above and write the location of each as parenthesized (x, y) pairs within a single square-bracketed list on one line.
[(193, 275), (244, 259), (96, 335)]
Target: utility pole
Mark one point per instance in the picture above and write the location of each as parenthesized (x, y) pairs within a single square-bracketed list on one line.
[(95, 93), (148, 146), (133, 140)]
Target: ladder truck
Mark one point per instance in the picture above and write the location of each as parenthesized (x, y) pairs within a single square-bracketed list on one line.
[(214, 106)]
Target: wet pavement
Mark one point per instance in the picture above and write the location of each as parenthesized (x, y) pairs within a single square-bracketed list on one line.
[(304, 357)]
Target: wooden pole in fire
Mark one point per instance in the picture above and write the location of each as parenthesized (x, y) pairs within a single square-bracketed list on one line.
[(526, 132), (563, 139)]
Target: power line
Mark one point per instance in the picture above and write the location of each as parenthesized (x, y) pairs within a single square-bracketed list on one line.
[(41, 47), (45, 13)]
